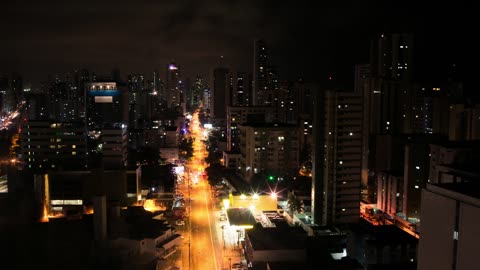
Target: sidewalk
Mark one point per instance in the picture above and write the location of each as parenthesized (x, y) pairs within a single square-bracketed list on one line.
[(229, 239)]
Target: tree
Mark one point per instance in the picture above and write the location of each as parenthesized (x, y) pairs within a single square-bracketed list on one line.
[(215, 173), (186, 148), (294, 204)]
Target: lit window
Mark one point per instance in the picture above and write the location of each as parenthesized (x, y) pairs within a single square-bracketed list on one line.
[(340, 162), (417, 167), (417, 187)]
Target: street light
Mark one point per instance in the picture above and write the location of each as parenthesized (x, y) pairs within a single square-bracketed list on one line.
[(223, 236), (238, 238), (189, 218)]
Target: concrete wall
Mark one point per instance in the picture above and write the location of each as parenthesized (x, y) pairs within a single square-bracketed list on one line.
[(279, 255), (468, 237), (438, 223)]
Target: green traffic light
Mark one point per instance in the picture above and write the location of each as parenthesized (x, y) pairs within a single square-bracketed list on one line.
[(270, 178)]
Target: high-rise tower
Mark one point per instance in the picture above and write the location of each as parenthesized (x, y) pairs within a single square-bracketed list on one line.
[(391, 67), (221, 94), (265, 82), (174, 90), (337, 157)]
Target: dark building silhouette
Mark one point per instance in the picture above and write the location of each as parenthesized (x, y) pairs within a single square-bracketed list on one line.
[(265, 81), (221, 92)]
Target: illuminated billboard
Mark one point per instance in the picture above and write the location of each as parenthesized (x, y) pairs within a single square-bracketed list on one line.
[(102, 89), (103, 99), (103, 93)]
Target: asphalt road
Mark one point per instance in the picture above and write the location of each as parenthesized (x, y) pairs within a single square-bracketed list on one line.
[(202, 248)]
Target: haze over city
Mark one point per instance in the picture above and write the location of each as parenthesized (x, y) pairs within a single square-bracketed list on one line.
[(307, 39)]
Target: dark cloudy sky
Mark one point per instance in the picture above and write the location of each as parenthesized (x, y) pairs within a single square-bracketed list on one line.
[(307, 38)]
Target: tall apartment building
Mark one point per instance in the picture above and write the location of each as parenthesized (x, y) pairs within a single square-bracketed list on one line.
[(114, 147), (389, 192), (196, 93), (37, 106), (265, 81), (104, 105), (137, 94), (386, 91), (268, 149), (4, 88), (221, 92), (174, 89), (415, 176), (337, 159), (391, 69), (106, 114), (241, 115), (242, 89), (47, 145), (401, 171), (285, 102)]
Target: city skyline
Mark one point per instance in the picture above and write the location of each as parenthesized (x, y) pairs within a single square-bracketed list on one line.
[(305, 40)]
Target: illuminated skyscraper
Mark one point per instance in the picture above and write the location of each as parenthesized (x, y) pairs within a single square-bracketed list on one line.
[(174, 89)]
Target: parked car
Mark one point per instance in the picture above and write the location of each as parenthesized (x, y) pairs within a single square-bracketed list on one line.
[(180, 222), (238, 266)]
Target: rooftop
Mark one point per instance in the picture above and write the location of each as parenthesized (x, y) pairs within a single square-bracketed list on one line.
[(279, 238), (240, 217)]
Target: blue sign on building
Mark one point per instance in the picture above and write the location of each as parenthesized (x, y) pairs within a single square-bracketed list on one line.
[(112, 92)]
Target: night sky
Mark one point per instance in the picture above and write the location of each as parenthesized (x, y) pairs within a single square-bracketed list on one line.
[(307, 38)]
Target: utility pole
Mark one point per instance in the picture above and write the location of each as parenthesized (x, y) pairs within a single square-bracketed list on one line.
[(189, 218)]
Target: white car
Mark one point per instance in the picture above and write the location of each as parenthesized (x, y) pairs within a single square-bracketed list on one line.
[(180, 222)]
